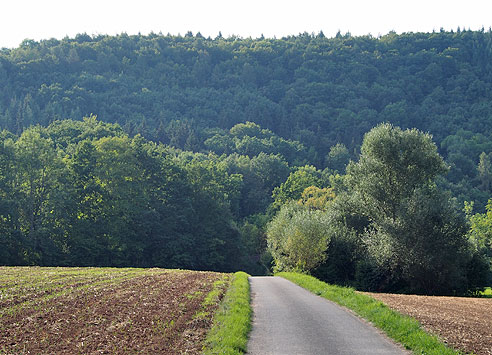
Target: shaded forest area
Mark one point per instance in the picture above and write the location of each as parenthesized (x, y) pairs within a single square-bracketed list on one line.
[(84, 193), (198, 143)]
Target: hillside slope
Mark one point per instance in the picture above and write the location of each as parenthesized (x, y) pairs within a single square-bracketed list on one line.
[(315, 90)]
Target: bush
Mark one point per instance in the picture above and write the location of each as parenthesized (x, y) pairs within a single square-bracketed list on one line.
[(298, 238)]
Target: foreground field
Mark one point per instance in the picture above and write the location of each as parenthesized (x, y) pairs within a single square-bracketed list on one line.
[(464, 323), (106, 310)]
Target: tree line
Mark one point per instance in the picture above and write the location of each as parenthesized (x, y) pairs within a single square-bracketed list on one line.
[(87, 194)]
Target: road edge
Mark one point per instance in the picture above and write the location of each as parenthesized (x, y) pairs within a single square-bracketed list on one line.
[(400, 328)]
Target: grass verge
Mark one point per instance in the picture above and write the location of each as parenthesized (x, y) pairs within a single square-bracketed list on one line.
[(232, 322), (403, 329), (487, 292)]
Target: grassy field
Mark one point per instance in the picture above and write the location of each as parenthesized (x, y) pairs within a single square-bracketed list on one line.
[(402, 329), (106, 310)]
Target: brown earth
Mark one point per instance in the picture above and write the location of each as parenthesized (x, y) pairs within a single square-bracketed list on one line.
[(462, 322), (154, 312)]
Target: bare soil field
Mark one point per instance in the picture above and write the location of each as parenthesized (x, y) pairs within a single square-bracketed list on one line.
[(462, 322), (106, 310)]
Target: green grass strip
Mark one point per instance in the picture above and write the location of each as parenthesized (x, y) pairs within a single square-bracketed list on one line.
[(403, 329), (232, 322)]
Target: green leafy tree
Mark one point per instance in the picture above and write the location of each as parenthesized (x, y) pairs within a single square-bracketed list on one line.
[(392, 164), (215, 237), (296, 183), (249, 129), (87, 243), (297, 238), (485, 171), (425, 250), (260, 175), (39, 169), (338, 158), (481, 230), (345, 230), (10, 237), (220, 144)]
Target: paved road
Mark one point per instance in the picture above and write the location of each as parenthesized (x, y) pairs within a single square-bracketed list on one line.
[(290, 320)]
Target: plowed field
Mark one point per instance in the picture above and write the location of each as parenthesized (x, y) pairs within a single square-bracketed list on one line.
[(106, 310), (464, 323)]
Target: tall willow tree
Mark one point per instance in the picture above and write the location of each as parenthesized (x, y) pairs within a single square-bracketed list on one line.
[(416, 237), (393, 163)]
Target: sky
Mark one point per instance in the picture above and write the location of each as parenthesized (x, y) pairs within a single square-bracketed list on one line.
[(36, 19)]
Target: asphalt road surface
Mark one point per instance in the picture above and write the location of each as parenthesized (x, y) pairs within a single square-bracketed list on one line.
[(290, 320)]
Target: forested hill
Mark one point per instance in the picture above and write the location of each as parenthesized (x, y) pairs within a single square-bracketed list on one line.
[(188, 91)]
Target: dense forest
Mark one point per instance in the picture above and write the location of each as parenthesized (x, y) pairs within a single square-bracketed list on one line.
[(84, 193), (199, 143)]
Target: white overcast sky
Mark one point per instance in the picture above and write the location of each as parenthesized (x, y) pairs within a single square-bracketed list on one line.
[(44, 19)]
